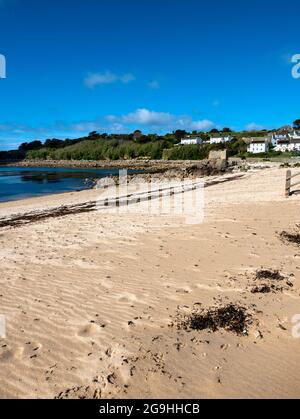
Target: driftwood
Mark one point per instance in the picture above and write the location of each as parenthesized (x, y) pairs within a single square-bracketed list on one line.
[(35, 216)]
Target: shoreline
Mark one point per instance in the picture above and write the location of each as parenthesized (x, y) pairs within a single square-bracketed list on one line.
[(154, 172), (103, 164), (65, 210)]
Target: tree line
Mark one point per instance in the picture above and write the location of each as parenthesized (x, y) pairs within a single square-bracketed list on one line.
[(97, 146)]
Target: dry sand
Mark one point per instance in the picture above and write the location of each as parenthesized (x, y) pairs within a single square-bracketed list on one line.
[(90, 298)]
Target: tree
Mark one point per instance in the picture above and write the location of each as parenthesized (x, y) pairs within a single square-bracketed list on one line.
[(94, 134), (214, 131), (137, 134), (179, 134), (152, 137), (54, 143), (297, 124), (34, 145), (227, 130)]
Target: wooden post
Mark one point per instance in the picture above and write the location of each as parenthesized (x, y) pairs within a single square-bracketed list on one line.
[(288, 183)]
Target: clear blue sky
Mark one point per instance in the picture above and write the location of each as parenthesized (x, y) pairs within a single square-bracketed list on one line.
[(74, 66)]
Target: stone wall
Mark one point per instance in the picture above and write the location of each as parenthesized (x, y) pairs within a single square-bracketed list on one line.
[(218, 155)]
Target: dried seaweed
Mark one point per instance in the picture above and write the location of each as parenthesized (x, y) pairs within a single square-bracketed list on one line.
[(231, 318)]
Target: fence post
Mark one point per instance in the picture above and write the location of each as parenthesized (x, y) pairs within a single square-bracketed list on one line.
[(288, 183)]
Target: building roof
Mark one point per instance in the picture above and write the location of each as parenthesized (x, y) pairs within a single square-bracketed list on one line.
[(249, 140), (191, 138), (280, 136), (258, 141), (287, 141), (220, 136), (290, 141)]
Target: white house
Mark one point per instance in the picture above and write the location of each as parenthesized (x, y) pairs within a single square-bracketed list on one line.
[(295, 136), (257, 146), (191, 141), (220, 140), (279, 137), (291, 143), (283, 145), (295, 144)]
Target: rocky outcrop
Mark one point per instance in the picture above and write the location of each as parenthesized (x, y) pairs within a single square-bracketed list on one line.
[(191, 171)]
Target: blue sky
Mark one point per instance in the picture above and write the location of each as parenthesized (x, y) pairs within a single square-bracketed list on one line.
[(74, 66)]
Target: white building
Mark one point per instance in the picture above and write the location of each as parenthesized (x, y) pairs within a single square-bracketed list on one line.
[(191, 141), (288, 145), (279, 137), (295, 144), (258, 146), (220, 140), (290, 142), (295, 136), (283, 145)]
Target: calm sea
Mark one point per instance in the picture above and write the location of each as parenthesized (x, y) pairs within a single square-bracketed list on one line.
[(19, 183)]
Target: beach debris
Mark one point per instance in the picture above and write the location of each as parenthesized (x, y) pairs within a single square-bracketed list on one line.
[(258, 334), (293, 238), (262, 289), (80, 393), (270, 278), (266, 289), (282, 327), (20, 220), (232, 318), (269, 274), (111, 378)]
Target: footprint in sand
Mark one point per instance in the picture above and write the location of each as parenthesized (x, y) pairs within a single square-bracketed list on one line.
[(32, 349), (184, 290), (127, 298), (9, 355), (89, 330), (218, 288), (105, 283)]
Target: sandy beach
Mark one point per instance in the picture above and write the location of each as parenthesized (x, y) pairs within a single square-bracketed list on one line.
[(92, 300)]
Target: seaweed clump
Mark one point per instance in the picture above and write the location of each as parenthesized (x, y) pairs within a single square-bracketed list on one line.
[(270, 275), (293, 238), (231, 318)]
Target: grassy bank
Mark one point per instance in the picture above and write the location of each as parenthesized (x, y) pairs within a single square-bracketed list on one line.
[(104, 148), (128, 150)]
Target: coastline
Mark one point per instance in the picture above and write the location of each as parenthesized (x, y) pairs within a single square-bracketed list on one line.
[(91, 299), (145, 164), (154, 171), (104, 164)]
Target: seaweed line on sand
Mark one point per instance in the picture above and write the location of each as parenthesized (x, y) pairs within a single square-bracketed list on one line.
[(232, 318)]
